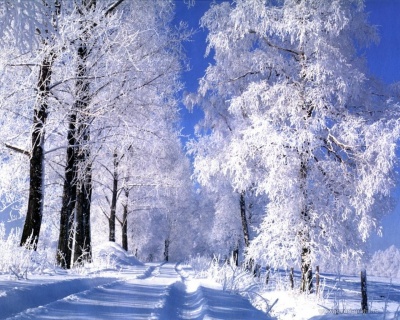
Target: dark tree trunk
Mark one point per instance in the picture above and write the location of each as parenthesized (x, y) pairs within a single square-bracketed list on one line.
[(235, 256), (267, 273), (125, 221), (291, 278), (77, 192), (245, 225), (111, 220), (33, 221), (65, 240), (82, 245), (306, 271), (364, 296), (166, 250), (82, 249)]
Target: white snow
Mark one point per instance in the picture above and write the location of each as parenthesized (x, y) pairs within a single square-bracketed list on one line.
[(339, 298), (125, 288), (132, 290)]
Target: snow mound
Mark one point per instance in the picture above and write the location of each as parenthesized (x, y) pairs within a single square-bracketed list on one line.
[(112, 254)]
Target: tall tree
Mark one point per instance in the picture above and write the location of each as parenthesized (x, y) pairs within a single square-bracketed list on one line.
[(306, 126), (33, 220), (77, 194), (36, 53), (128, 80), (31, 28), (82, 245)]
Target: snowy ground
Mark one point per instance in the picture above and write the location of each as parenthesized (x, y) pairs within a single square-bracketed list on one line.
[(340, 298), (136, 291), (129, 289)]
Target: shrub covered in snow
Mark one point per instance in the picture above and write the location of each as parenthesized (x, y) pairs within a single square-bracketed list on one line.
[(22, 261), (200, 265), (233, 278)]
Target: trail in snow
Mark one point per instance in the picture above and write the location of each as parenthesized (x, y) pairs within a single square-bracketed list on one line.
[(153, 291), (190, 299), (30, 295)]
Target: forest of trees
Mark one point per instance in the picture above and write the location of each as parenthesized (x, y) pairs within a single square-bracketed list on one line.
[(293, 163), (90, 123)]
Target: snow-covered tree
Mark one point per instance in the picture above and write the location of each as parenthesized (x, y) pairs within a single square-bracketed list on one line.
[(385, 263), (129, 84), (289, 108), (102, 77), (235, 217), (30, 29), (89, 26)]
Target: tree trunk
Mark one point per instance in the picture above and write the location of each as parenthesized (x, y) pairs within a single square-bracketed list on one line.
[(82, 246), (77, 192), (111, 220), (82, 249), (291, 278), (235, 255), (267, 273), (304, 153), (125, 221), (306, 250), (306, 271), (65, 243), (33, 221), (364, 297), (166, 250), (245, 225)]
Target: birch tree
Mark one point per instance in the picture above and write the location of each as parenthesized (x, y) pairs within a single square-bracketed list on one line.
[(307, 126)]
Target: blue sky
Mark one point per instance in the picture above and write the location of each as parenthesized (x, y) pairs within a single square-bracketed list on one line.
[(384, 58), (195, 51), (383, 62)]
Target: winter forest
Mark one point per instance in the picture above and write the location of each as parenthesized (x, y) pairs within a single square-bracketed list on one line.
[(293, 165)]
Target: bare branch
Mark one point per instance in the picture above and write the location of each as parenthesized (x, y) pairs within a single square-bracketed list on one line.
[(244, 76), (294, 52), (19, 150), (22, 65), (112, 7)]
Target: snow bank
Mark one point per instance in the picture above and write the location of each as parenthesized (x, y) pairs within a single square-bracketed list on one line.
[(112, 255)]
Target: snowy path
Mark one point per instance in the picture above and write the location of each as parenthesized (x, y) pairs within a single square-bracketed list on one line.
[(153, 291)]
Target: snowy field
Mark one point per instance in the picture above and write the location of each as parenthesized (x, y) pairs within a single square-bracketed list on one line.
[(133, 290)]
